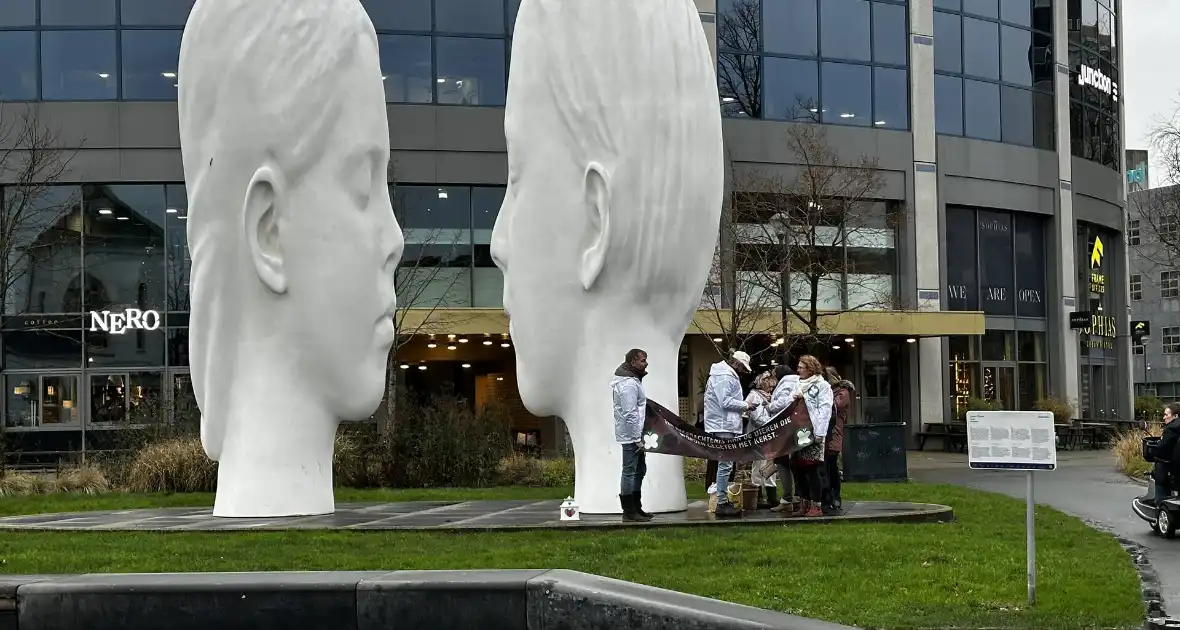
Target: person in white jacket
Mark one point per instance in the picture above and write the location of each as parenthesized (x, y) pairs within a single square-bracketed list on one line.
[(630, 403), (784, 393), (724, 405), (762, 472)]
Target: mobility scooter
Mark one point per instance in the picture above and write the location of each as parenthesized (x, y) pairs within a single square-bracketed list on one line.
[(1164, 517)]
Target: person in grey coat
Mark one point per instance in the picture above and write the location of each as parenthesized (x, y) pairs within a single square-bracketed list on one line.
[(630, 404)]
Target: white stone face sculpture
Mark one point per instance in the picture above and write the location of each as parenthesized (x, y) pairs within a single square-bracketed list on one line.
[(293, 241), (615, 184)]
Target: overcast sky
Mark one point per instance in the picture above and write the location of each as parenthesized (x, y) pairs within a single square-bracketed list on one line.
[(1151, 86)]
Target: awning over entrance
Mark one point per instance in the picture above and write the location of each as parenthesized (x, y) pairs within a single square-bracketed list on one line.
[(473, 321)]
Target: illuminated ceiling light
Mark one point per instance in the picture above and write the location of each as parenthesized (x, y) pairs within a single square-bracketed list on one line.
[(104, 75), (105, 211), (442, 80), (505, 345), (717, 340), (405, 366), (499, 378), (168, 75), (450, 336), (422, 367), (383, 77), (171, 211), (463, 340), (847, 115), (813, 110), (848, 340), (452, 347), (911, 340), (835, 347), (466, 365), (432, 345), (487, 342), (727, 99), (442, 193), (879, 122), (123, 218), (183, 217)]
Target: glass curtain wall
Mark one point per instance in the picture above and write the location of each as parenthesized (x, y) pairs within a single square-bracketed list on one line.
[(841, 62), (1094, 82), (95, 304), (996, 263)]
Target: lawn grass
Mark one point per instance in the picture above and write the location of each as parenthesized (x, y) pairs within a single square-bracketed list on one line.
[(966, 574)]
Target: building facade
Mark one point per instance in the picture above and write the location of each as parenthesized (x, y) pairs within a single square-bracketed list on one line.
[(996, 125), (1155, 292)]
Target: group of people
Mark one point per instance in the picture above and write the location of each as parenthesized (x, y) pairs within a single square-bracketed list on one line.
[(810, 477)]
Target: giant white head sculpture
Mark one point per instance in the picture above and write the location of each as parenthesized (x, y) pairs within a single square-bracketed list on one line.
[(292, 237), (607, 232)]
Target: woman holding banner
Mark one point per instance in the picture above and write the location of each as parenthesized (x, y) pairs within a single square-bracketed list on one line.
[(762, 472), (816, 394)]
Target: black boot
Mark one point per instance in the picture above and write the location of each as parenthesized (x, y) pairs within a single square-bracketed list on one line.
[(629, 513), (637, 496), (771, 496), (729, 510)]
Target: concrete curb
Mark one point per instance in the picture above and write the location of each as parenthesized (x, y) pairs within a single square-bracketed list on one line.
[(368, 600)]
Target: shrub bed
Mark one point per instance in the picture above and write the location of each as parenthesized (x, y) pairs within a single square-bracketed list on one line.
[(1128, 451)]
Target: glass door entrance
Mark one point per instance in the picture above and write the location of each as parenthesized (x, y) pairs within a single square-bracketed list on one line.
[(184, 402)]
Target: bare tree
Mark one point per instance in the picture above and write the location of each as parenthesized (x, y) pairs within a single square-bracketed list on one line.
[(32, 213), (815, 241), (1159, 208), (430, 275), (740, 76)]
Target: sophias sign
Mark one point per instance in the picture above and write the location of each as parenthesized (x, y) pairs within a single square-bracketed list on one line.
[(1094, 78), (119, 323)]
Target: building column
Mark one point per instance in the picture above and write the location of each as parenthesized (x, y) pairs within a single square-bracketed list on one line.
[(928, 387), (1064, 374), (1126, 355), (708, 11)]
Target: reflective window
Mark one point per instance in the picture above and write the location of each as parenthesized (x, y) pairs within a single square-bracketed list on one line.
[(795, 30), (18, 72), (738, 80), (773, 56), (177, 260), (124, 257), (981, 49), (981, 110), (399, 15), (513, 9), (487, 283), (948, 105), (1015, 52), (78, 12), (847, 94), (405, 67), (436, 266), (470, 71), (994, 48), (791, 90), (889, 33), (1094, 83), (949, 5), (18, 13), (891, 98), (844, 30), (150, 59), (154, 12), (982, 8), (948, 42), (46, 251), (469, 16), (1016, 115), (78, 66)]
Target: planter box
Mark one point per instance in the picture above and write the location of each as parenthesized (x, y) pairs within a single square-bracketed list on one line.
[(875, 452)]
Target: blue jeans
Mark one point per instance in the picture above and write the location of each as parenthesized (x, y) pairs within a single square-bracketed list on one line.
[(634, 469), (724, 470)]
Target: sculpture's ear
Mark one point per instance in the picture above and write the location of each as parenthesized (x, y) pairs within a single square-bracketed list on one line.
[(597, 203), (264, 203)]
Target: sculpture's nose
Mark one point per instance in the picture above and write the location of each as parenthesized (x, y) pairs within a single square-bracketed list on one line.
[(499, 245)]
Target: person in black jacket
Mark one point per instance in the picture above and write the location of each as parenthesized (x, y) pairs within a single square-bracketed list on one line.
[(1165, 455)]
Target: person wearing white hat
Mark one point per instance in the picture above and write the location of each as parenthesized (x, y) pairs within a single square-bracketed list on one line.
[(724, 405)]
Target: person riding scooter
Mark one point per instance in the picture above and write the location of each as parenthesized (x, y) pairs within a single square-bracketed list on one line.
[(1167, 464)]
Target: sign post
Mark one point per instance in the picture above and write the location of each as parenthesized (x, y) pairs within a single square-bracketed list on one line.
[(1015, 440)]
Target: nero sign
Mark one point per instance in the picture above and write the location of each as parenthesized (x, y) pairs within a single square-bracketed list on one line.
[(118, 323), (1101, 82)]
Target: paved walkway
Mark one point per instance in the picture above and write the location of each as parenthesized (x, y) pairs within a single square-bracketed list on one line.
[(1086, 484), (470, 515)]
